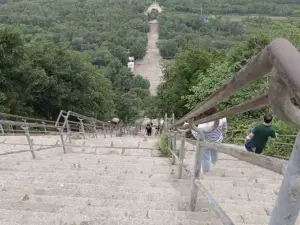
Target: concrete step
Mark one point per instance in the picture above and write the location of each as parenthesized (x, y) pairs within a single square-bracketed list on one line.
[(153, 181), (95, 159), (149, 195), (232, 172), (172, 205), (95, 165), (228, 184), (106, 212), (242, 190), (42, 218), (114, 151), (79, 168), (241, 193), (86, 177)]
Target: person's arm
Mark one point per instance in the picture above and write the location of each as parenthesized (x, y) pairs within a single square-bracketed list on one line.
[(224, 127), (195, 134), (251, 135), (274, 134)]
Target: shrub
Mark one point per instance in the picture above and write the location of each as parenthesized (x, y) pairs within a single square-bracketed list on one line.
[(162, 146)]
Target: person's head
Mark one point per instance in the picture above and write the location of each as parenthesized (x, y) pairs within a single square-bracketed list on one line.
[(210, 112), (207, 113), (268, 119)]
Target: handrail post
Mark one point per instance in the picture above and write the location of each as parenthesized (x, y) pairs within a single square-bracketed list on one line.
[(95, 129), (287, 205), (11, 129), (181, 155), (58, 118), (166, 123), (45, 129), (170, 140), (174, 148), (1, 128), (61, 130), (104, 130), (27, 134), (69, 134), (197, 165), (82, 127), (196, 174), (67, 125)]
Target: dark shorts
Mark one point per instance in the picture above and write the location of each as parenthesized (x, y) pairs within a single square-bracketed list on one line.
[(250, 146)]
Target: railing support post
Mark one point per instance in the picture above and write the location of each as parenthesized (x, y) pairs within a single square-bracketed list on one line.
[(26, 130), (104, 130), (69, 134), (170, 140), (174, 149), (166, 123), (11, 129), (67, 125), (45, 129), (82, 127), (61, 134), (287, 205), (95, 129), (1, 128), (197, 165), (181, 155), (196, 174)]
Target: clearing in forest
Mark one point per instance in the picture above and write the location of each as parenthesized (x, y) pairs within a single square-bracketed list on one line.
[(149, 67)]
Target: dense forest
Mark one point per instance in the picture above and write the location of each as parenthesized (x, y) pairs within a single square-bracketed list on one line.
[(221, 24), (72, 55)]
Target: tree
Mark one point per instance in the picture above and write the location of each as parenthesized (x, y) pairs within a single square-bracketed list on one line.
[(128, 107), (167, 48), (178, 78), (40, 84)]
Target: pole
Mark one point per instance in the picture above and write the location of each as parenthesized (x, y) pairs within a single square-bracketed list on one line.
[(174, 149), (26, 130), (62, 140), (287, 205), (181, 155)]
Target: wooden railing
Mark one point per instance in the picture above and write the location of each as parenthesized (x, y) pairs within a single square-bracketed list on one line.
[(281, 60)]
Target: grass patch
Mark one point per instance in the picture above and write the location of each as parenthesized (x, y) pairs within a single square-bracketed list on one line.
[(162, 146)]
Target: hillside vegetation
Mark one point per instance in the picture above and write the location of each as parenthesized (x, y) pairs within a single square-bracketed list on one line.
[(228, 22), (72, 54), (196, 74)]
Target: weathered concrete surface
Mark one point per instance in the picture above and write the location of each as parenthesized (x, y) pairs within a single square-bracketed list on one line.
[(116, 185)]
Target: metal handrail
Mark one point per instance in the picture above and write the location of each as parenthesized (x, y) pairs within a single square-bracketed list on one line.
[(285, 63), (282, 60)]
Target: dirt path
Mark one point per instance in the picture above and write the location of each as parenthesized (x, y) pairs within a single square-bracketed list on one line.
[(149, 67)]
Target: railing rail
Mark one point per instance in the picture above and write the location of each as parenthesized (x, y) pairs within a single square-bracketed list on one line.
[(63, 129), (281, 60)]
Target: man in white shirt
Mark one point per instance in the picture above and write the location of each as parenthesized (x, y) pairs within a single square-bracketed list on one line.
[(216, 136)]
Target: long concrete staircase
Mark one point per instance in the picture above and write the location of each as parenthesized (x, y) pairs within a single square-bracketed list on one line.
[(122, 182)]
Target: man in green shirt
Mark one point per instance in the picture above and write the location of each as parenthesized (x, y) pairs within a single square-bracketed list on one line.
[(259, 136)]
